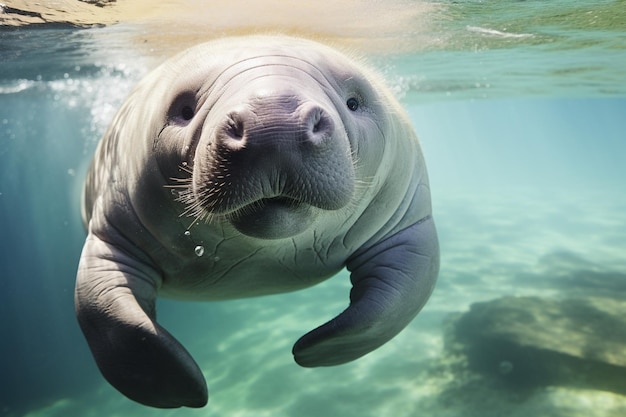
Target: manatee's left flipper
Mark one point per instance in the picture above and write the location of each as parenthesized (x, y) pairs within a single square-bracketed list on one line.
[(391, 283), (115, 297)]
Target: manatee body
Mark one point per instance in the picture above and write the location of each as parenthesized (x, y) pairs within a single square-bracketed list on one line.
[(244, 167)]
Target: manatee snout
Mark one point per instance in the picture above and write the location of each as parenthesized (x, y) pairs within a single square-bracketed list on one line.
[(269, 162), (272, 123)]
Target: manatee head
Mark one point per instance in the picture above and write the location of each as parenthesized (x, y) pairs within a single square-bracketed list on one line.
[(266, 137)]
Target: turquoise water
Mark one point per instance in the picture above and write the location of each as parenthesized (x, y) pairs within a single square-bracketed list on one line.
[(520, 109)]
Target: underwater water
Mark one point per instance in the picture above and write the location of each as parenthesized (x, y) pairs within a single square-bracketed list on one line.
[(520, 108)]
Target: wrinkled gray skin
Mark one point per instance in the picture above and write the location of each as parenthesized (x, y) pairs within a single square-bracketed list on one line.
[(286, 161)]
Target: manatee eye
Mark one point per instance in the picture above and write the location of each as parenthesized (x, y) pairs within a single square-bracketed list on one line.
[(182, 109), (352, 103), (186, 113)]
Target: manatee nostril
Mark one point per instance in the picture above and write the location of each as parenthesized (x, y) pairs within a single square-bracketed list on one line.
[(235, 126), (320, 125), (232, 133), (317, 121)]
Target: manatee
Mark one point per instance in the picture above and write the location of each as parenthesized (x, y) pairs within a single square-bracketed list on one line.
[(243, 167)]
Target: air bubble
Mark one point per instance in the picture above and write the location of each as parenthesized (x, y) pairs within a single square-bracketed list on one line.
[(187, 233), (199, 250)]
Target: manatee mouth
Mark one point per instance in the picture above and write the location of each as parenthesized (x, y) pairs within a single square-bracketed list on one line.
[(279, 202), (273, 218)]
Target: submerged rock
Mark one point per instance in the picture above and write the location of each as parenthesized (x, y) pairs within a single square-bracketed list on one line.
[(533, 342)]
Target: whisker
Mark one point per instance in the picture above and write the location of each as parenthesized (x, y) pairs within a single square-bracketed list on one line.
[(175, 186), (186, 168)]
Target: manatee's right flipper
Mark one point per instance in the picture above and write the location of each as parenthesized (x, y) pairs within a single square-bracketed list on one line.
[(115, 297)]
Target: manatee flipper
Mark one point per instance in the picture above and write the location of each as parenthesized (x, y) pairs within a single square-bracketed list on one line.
[(392, 281), (115, 304)]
